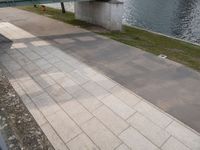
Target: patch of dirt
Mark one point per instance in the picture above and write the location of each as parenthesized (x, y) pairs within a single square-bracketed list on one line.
[(17, 126)]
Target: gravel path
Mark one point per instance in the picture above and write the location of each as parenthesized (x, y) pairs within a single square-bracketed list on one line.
[(17, 126)]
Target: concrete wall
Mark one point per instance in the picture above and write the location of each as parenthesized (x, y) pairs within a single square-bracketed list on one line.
[(106, 14)]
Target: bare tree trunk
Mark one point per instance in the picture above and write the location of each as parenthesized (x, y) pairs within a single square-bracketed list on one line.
[(63, 7)]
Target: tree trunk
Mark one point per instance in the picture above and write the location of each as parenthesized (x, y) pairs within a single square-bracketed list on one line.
[(63, 7)]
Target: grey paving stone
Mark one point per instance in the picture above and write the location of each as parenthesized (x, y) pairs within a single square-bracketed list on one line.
[(95, 89), (32, 69), (11, 66), (55, 74), (124, 95), (46, 104), (85, 70), (32, 55), (76, 111), (184, 135), (19, 45), (20, 58), (78, 77), (101, 136), (87, 100), (31, 87), (52, 59), (104, 81), (140, 142), (44, 80), (153, 132), (69, 85), (18, 88), (86, 38), (53, 137), (174, 144), (40, 43), (111, 120), (64, 40), (43, 64), (118, 106), (58, 94), (82, 142), (25, 99), (153, 114), (42, 51), (64, 126), (40, 119), (64, 67), (122, 147)]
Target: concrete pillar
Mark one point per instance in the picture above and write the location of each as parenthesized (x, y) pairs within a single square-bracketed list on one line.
[(106, 14)]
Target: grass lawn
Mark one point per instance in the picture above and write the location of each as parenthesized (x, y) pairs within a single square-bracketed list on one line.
[(179, 51)]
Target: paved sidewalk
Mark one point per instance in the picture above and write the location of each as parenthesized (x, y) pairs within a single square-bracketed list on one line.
[(77, 107), (171, 86)]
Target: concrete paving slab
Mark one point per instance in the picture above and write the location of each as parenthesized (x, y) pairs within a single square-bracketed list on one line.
[(75, 111)]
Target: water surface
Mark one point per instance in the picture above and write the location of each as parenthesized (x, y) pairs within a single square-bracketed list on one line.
[(178, 18)]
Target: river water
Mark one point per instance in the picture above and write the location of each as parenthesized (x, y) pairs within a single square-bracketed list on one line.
[(177, 18)]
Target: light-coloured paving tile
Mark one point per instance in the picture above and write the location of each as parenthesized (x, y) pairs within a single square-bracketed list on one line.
[(105, 82), (87, 100), (32, 69), (95, 89), (52, 136), (110, 120), (20, 74), (42, 64), (184, 135), (18, 57), (78, 77), (40, 119), (11, 66), (22, 60), (44, 80), (82, 142), (101, 136), (19, 45), (87, 71), (32, 55), (52, 59), (118, 106), (122, 147), (25, 99), (64, 126), (64, 67), (31, 87), (76, 111), (5, 58), (42, 51), (174, 144), (18, 89), (153, 114), (125, 96), (86, 38), (46, 104), (49, 56), (24, 50), (40, 43), (64, 40), (55, 74), (153, 132), (136, 141), (58, 94), (69, 85)]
